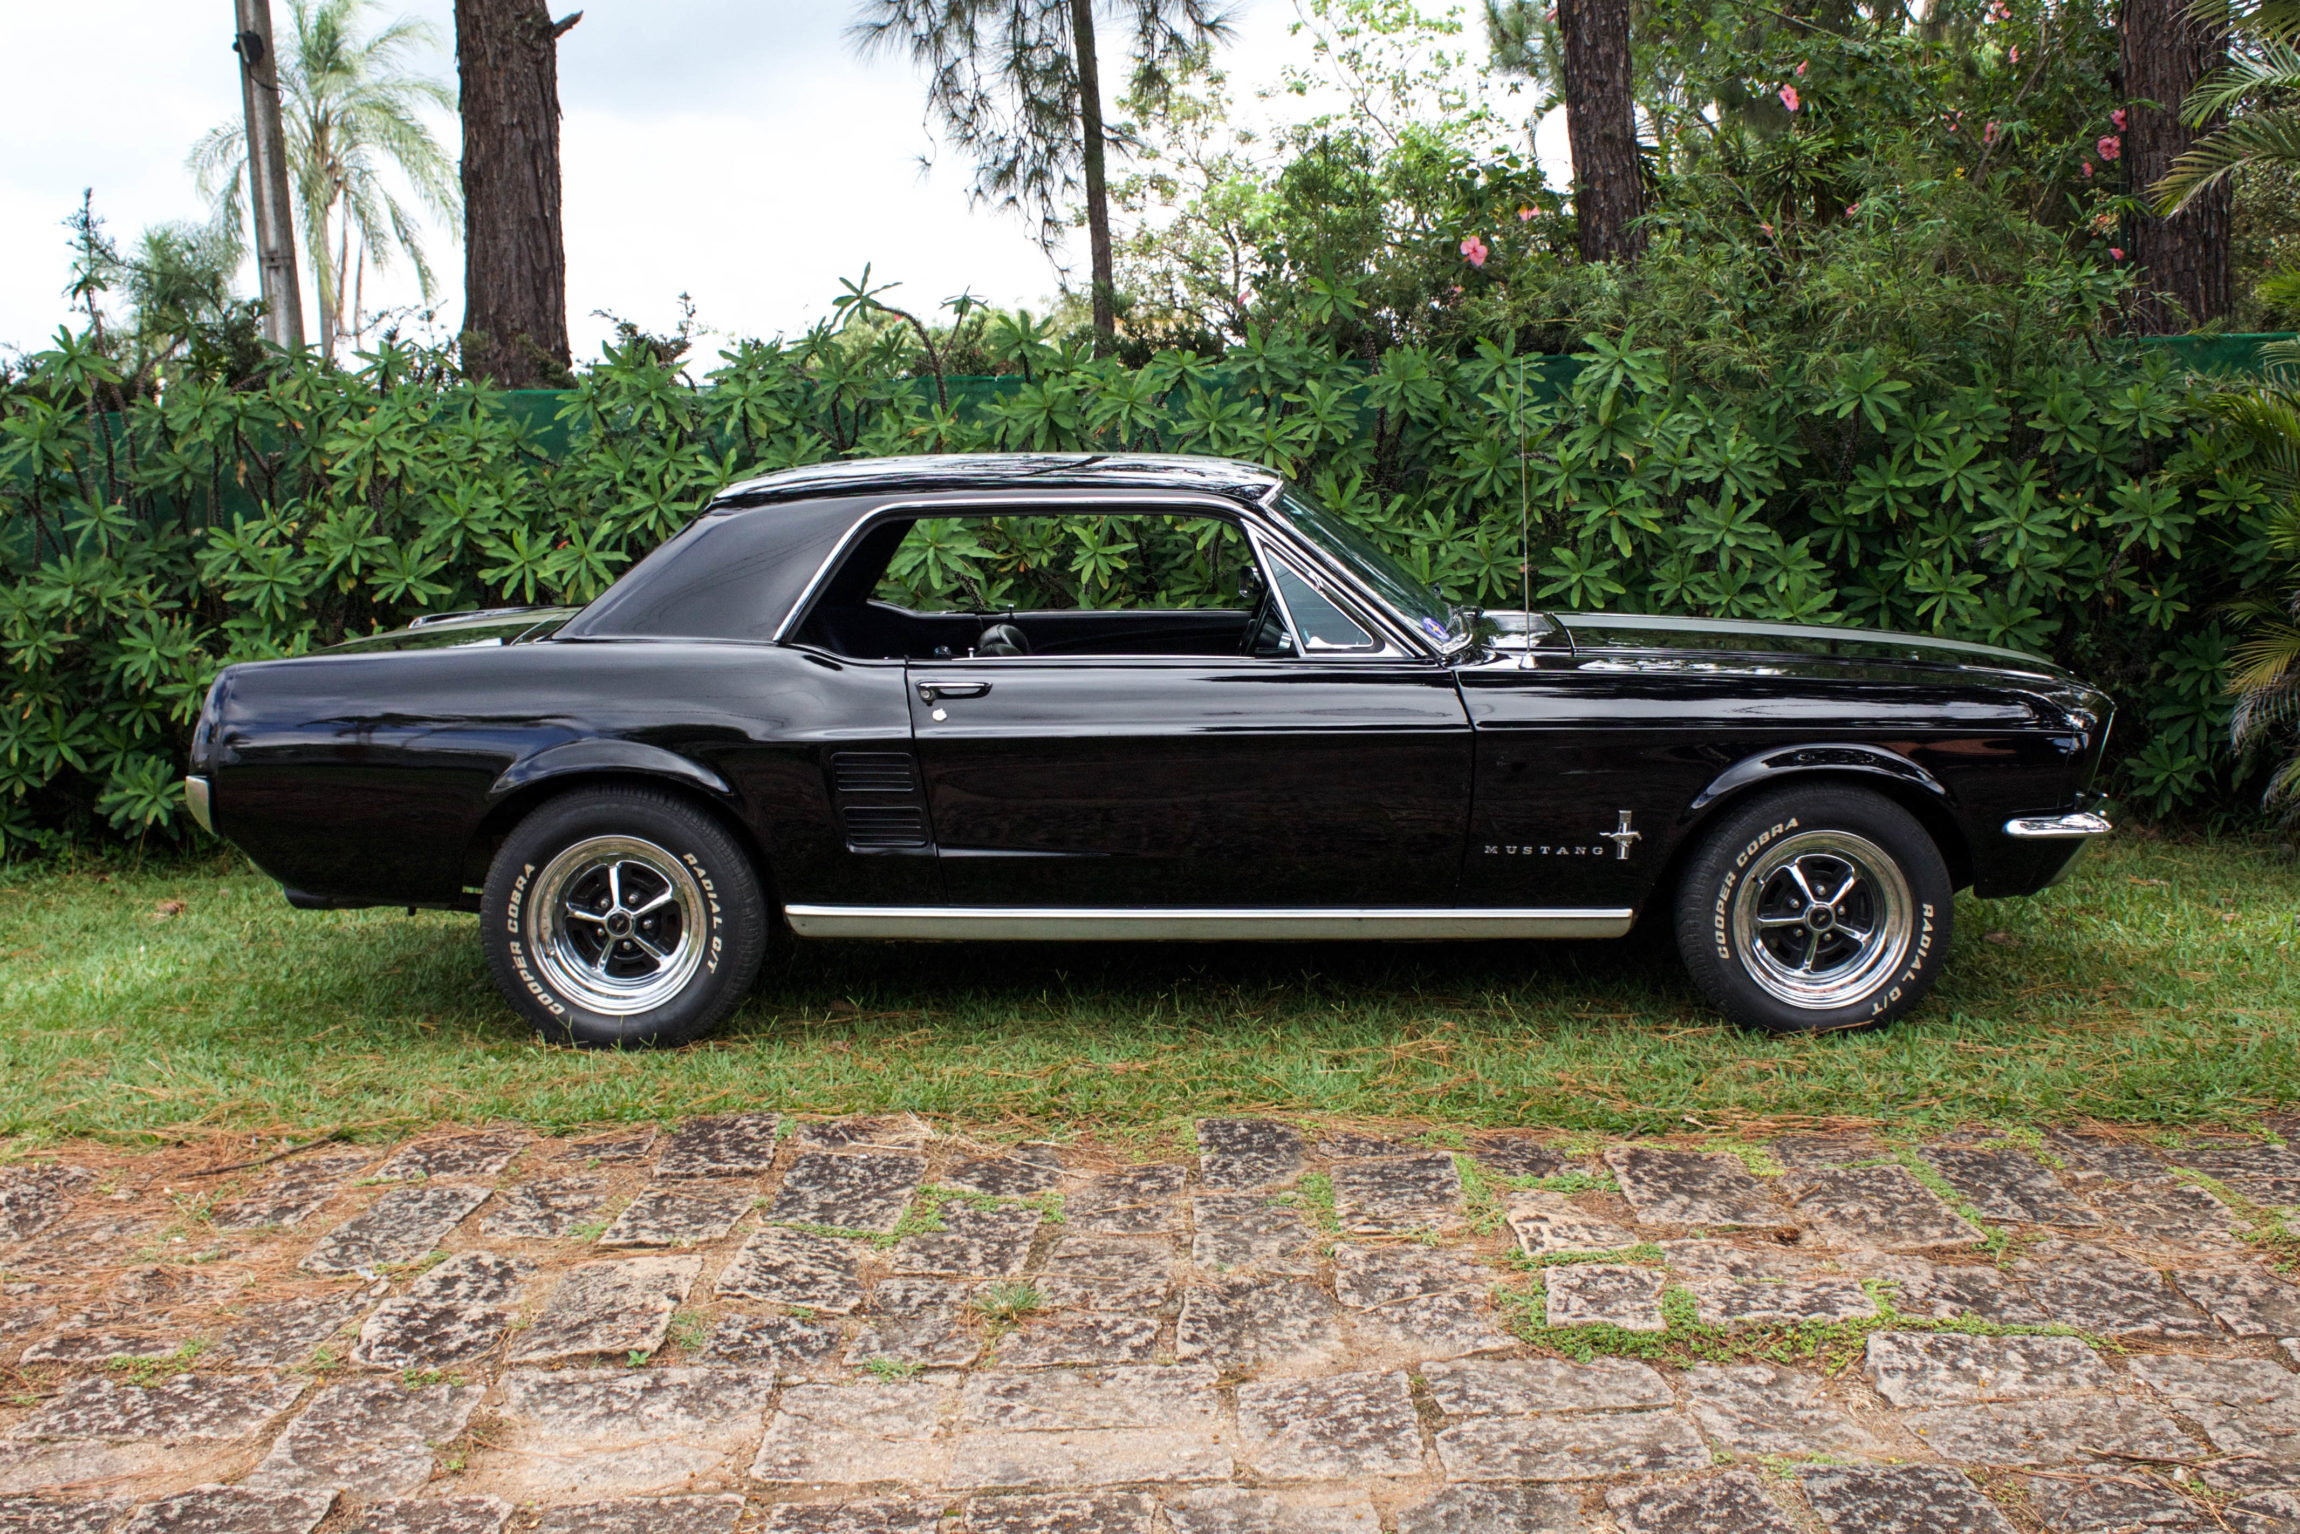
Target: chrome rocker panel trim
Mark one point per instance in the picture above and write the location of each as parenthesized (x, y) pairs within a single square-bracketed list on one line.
[(1147, 924), (2032, 828)]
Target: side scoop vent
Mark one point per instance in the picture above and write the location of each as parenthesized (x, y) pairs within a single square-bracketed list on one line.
[(873, 772), (880, 804), (887, 826)]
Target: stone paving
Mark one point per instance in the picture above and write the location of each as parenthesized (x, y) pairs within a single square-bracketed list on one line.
[(754, 1323)]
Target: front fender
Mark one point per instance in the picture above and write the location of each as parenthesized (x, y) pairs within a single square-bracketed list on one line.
[(580, 757), (1789, 761)]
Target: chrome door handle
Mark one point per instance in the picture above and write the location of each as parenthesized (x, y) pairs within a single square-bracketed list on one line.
[(929, 692)]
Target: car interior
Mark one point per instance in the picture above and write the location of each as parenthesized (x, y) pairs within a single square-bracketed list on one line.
[(1085, 585)]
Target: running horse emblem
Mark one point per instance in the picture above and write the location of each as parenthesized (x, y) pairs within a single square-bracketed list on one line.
[(1621, 836)]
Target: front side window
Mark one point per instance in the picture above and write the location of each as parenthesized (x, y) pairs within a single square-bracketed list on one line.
[(1082, 583), (1079, 563)]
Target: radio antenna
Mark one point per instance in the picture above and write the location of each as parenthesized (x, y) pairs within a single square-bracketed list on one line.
[(1524, 522)]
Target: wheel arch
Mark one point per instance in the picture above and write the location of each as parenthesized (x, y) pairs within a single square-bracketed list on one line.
[(1885, 773), (534, 781)]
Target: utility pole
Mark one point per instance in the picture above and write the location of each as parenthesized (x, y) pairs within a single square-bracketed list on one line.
[(268, 176)]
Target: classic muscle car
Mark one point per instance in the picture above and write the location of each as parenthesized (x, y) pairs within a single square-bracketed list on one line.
[(1074, 697)]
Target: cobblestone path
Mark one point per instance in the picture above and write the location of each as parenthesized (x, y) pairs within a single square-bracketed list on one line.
[(861, 1327)]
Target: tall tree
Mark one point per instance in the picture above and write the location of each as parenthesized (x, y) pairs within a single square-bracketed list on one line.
[(2170, 47), (350, 113), (268, 176), (514, 250), (1589, 56), (1016, 85)]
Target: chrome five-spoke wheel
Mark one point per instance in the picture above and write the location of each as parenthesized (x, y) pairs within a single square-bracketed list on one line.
[(1822, 918), (618, 924), (1816, 907)]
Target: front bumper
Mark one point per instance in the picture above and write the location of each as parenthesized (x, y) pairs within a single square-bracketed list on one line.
[(196, 800), (2045, 848), (2071, 826)]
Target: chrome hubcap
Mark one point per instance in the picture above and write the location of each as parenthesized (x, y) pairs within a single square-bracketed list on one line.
[(1823, 919), (619, 925)]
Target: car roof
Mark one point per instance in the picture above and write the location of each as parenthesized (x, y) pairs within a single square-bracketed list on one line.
[(1001, 471)]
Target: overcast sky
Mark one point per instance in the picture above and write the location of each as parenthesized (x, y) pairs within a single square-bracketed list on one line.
[(735, 150)]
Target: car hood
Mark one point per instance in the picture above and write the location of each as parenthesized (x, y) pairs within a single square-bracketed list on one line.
[(1598, 633), (495, 626)]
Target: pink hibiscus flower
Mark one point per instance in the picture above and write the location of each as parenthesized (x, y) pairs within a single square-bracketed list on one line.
[(1474, 251), (2110, 146), (1789, 97)]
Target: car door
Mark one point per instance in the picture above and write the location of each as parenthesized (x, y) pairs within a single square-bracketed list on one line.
[(1327, 771)]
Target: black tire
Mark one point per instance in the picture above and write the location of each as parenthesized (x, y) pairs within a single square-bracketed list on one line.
[(1757, 941), (570, 945)]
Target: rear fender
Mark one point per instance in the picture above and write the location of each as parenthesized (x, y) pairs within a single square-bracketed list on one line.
[(590, 758), (532, 779)]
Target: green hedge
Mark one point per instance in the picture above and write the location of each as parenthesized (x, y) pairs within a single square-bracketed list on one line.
[(2080, 506)]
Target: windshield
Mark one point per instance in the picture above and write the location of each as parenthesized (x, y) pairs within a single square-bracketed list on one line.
[(1391, 581)]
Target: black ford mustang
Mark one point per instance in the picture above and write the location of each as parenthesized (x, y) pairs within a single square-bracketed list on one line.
[(1101, 697)]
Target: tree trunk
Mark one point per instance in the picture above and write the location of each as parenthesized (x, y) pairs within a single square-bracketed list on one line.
[(2183, 260), (323, 272), (515, 257), (268, 195), (1601, 122), (1097, 192)]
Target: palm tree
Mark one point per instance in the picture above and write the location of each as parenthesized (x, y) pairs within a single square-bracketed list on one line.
[(2256, 87), (1016, 84), (351, 108), (2267, 674)]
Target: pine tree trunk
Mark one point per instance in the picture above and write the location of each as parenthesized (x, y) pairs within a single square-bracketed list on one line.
[(2182, 260), (1601, 122), (1097, 191), (515, 258)]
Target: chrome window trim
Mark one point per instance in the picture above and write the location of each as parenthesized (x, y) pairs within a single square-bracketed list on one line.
[(2068, 827), (1210, 924), (1375, 601), (1179, 502), (1270, 552)]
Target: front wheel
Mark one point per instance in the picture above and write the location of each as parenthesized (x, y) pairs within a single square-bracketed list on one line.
[(622, 915), (1815, 909)]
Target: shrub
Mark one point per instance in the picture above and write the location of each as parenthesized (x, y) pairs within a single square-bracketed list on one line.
[(2048, 496)]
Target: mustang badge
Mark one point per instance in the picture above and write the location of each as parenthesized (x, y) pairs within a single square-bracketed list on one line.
[(1621, 837)]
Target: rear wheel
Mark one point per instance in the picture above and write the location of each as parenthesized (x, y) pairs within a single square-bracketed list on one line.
[(1813, 909), (622, 915)]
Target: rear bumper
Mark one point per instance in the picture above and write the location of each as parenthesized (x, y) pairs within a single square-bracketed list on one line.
[(196, 800)]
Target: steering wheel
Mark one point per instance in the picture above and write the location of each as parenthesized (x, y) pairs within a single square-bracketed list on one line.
[(1002, 639), (1266, 629)]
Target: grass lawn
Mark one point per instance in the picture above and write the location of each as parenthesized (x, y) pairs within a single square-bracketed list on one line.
[(2160, 984)]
